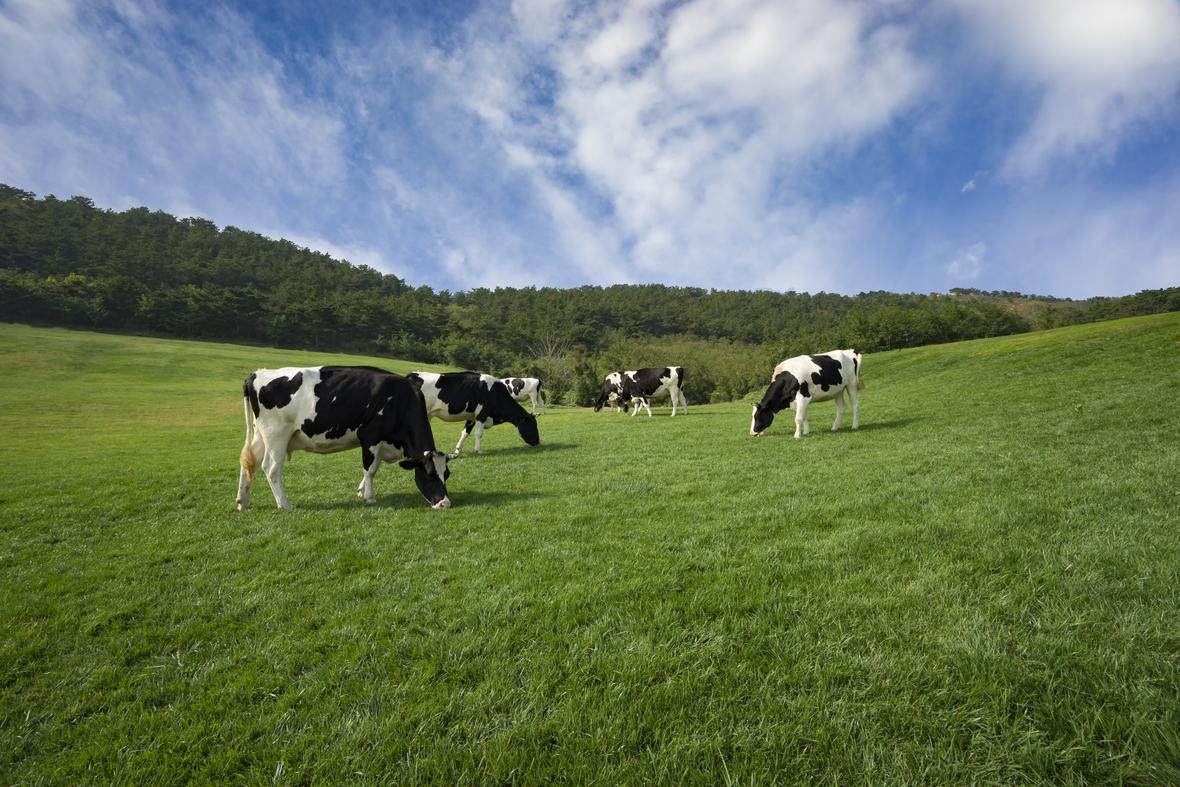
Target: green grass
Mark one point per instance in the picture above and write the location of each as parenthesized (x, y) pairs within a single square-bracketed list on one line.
[(981, 585)]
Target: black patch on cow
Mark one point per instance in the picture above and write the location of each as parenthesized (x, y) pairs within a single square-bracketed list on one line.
[(804, 391), (645, 381), (278, 392), (347, 398), (516, 384), (855, 365), (828, 375), (461, 392)]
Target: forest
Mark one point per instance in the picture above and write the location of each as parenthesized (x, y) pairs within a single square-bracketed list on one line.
[(71, 263)]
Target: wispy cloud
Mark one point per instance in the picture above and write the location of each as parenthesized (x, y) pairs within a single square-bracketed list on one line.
[(968, 264), (720, 143), (1096, 69), (130, 98)]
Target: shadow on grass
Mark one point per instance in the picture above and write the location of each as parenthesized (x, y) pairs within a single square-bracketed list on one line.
[(872, 426), (400, 501), (788, 429), (520, 448)]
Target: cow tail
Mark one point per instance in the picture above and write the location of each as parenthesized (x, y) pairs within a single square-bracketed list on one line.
[(247, 460), (860, 384)]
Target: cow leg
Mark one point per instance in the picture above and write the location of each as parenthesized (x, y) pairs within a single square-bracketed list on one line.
[(371, 463), (478, 426), (272, 465), (852, 397), (839, 412), (801, 427), (672, 395), (467, 427), (648, 406), (544, 408), (683, 401), (243, 498)]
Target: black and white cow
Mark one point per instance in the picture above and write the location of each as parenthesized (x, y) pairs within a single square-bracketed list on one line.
[(325, 409), (804, 379), (479, 399), (523, 388), (636, 387)]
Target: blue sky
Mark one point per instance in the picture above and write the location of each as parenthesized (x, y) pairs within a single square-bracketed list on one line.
[(807, 145)]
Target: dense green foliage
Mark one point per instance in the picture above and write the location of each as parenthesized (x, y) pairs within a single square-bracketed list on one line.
[(67, 262), (980, 586)]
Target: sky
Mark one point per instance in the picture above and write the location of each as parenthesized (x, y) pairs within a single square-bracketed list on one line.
[(807, 145)]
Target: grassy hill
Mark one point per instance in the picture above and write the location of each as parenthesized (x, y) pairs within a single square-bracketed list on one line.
[(982, 584)]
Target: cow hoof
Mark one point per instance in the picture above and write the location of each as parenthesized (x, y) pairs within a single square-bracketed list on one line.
[(370, 501), (286, 507), (243, 506)]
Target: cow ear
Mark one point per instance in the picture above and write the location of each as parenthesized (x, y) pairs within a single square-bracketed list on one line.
[(408, 464)]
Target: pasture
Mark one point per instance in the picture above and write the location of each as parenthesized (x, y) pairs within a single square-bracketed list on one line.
[(981, 585)]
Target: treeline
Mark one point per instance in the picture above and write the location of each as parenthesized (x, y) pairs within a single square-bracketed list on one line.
[(68, 262)]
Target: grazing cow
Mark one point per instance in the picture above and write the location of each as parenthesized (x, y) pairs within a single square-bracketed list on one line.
[(523, 388), (637, 386), (325, 409), (804, 379), (479, 399)]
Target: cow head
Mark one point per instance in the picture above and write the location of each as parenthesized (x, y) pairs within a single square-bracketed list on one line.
[(430, 475), (608, 393), (779, 396), (762, 419), (527, 427)]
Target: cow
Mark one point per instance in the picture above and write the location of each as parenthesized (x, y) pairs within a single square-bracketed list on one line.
[(804, 379), (479, 399), (523, 388), (325, 409), (637, 386)]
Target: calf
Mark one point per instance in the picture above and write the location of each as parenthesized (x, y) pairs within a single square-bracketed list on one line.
[(523, 388), (325, 409), (637, 386), (479, 399), (804, 379)]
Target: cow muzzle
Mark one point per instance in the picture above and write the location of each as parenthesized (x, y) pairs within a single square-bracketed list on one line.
[(444, 503)]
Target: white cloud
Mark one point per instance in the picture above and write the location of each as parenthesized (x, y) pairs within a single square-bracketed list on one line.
[(691, 131), (110, 108), (968, 264), (358, 254), (1098, 69), (968, 186)]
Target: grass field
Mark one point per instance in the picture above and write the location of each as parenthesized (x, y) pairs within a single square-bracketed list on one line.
[(981, 585)]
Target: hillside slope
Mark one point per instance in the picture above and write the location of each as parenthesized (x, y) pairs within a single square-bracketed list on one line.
[(982, 584)]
